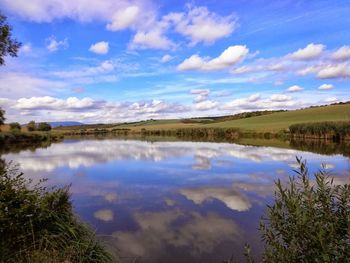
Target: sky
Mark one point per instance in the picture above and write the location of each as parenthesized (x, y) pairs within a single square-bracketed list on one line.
[(108, 61)]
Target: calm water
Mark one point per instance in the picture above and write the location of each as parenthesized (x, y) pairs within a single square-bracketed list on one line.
[(171, 201)]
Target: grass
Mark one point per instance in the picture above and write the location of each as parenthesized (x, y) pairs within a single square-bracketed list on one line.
[(38, 225), (276, 122)]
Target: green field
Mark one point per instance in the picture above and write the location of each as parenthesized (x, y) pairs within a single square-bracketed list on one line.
[(282, 120)]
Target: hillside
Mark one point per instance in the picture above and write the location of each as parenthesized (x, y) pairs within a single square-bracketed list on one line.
[(282, 120)]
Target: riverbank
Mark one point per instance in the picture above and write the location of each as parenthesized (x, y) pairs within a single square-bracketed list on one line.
[(28, 137)]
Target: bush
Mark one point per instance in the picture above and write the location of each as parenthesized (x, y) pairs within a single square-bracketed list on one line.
[(31, 126), (309, 221), (37, 225), (15, 126), (44, 126)]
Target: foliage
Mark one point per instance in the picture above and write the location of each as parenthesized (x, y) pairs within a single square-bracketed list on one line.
[(321, 128), (15, 126), (38, 225), (2, 116), (309, 221), (8, 45), (31, 126), (44, 126)]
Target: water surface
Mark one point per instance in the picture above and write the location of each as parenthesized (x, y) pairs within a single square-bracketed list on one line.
[(171, 201)]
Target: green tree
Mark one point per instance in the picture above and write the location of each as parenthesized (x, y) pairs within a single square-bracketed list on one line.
[(31, 126), (309, 221), (15, 126), (2, 116), (44, 126), (8, 45)]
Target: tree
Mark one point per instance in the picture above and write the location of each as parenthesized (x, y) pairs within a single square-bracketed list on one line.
[(31, 126), (44, 126), (15, 126), (2, 116), (309, 221), (8, 45)]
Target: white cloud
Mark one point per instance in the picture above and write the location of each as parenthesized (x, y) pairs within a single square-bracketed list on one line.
[(166, 58), (104, 215), (201, 94), (205, 105), (53, 45), (47, 102), (201, 25), (154, 39), (242, 102), (100, 48), (295, 88), (15, 84), (280, 97), (331, 100), (334, 71), (311, 51), (26, 48), (124, 18), (231, 56), (342, 53), (105, 67), (326, 87)]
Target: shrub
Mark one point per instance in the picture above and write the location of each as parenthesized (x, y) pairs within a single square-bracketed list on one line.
[(309, 221), (31, 126), (37, 225), (15, 126), (44, 126)]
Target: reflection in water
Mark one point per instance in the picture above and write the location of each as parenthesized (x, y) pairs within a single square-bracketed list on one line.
[(158, 230), (230, 197), (171, 201)]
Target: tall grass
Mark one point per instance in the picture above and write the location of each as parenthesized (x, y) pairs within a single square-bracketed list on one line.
[(38, 225), (336, 130)]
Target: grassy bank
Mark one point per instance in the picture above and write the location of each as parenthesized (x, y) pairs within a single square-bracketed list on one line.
[(28, 137), (38, 225)]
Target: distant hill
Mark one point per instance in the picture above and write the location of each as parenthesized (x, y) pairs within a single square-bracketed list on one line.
[(55, 124)]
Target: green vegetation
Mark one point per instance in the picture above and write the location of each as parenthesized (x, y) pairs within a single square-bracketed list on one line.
[(335, 130), (15, 126), (2, 116), (309, 220), (31, 126), (38, 225), (8, 45), (276, 122), (44, 126)]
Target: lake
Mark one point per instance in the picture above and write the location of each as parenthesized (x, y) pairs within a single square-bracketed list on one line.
[(171, 201)]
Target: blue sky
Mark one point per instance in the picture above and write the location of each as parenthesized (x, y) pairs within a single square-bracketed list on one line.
[(110, 61)]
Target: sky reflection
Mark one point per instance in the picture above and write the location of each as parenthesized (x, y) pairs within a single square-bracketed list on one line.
[(171, 201)]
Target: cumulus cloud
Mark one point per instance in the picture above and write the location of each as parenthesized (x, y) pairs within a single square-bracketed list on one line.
[(26, 48), (100, 48), (295, 88), (331, 100), (53, 45), (334, 71), (311, 51), (201, 25), (154, 39), (124, 18), (326, 87), (41, 103), (166, 58), (342, 53), (231, 56), (280, 97), (206, 105)]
